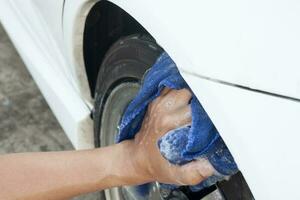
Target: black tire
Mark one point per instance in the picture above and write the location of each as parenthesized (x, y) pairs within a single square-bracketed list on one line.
[(126, 61)]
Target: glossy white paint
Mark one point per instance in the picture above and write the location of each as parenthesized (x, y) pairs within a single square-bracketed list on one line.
[(262, 133), (75, 13), (251, 43), (51, 12), (254, 43), (34, 41)]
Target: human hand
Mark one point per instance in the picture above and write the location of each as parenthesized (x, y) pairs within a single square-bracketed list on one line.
[(169, 111), (131, 162)]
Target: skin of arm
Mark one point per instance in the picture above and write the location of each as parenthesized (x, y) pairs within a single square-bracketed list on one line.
[(63, 175)]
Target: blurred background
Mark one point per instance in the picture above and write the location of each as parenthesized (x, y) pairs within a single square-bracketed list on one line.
[(26, 122)]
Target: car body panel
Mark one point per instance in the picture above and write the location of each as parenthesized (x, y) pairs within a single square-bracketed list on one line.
[(261, 131), (251, 43), (51, 12), (254, 44), (49, 69), (75, 13)]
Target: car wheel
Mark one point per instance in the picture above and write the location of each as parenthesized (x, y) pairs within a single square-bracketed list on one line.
[(118, 81)]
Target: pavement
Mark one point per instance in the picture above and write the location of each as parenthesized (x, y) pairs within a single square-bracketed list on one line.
[(26, 122)]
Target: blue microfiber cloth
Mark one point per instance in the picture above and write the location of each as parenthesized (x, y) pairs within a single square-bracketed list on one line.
[(198, 140)]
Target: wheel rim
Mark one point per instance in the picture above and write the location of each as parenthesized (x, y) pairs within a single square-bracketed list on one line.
[(113, 109)]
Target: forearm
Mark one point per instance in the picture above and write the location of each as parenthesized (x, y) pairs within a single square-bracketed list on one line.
[(61, 175)]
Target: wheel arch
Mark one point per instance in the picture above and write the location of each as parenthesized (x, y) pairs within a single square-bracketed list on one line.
[(104, 25)]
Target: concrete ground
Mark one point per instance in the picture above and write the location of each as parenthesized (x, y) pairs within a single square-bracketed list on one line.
[(26, 122)]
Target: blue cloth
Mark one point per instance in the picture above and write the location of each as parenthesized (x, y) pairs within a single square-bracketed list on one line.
[(199, 140)]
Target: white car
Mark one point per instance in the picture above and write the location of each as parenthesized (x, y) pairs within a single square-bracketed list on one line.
[(241, 58)]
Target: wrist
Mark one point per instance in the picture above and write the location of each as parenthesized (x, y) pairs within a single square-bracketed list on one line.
[(128, 165)]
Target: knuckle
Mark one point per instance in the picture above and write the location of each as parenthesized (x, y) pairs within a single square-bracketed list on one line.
[(150, 105), (165, 121), (193, 178), (186, 92)]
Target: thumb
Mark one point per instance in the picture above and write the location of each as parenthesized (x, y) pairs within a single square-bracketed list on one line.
[(193, 172)]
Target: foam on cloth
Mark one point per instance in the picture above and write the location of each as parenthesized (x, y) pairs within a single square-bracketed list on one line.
[(182, 145)]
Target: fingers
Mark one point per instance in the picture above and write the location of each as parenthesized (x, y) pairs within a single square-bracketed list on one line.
[(183, 95), (176, 105), (193, 173), (165, 91), (182, 116), (178, 118), (178, 97)]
